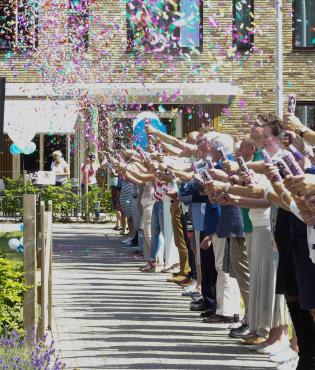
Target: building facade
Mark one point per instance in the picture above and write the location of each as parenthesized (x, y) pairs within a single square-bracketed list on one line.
[(192, 62)]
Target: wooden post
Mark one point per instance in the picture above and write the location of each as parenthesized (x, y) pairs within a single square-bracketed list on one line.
[(50, 274), (30, 265), (43, 266)]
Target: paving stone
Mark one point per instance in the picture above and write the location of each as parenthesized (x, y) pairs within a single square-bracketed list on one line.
[(108, 315)]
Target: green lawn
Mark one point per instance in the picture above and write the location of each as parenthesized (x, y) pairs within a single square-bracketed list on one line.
[(4, 248)]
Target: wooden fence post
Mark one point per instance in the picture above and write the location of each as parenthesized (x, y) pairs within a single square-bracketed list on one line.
[(43, 225), (50, 210), (30, 266)]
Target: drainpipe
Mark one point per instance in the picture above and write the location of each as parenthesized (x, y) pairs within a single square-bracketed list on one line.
[(279, 59)]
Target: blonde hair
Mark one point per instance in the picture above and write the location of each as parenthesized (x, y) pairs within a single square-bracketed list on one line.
[(57, 153)]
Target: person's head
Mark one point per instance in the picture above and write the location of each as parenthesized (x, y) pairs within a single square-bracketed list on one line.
[(247, 148), (150, 148), (92, 157), (204, 145), (57, 155), (257, 127), (192, 137), (222, 142), (272, 131)]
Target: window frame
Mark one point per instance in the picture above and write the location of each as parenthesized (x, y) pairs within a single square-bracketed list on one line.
[(294, 47), (243, 48), (305, 103), (173, 51), (15, 44), (85, 43)]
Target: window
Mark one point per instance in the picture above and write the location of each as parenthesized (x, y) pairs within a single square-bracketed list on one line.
[(304, 24), (164, 26), (306, 112), (18, 25), (78, 24), (243, 24)]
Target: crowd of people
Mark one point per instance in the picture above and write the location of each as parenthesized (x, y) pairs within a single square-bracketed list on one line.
[(240, 216)]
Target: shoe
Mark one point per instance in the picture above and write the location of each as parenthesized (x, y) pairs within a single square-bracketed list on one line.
[(202, 306), (256, 347), (284, 356), (195, 295), (177, 279), (220, 319), (275, 348), (289, 365), (252, 340), (184, 283), (126, 241), (208, 313), (190, 288), (239, 332)]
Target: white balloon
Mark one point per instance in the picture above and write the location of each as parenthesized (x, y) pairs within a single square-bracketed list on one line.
[(14, 243), (22, 241)]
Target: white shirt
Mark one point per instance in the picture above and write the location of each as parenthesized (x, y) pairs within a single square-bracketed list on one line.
[(260, 216), (59, 169)]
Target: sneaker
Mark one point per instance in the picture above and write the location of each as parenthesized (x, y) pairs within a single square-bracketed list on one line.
[(126, 241), (190, 288), (284, 356), (275, 348), (256, 347), (196, 295)]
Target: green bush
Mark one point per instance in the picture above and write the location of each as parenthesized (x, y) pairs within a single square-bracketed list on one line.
[(65, 202), (12, 289), (13, 195)]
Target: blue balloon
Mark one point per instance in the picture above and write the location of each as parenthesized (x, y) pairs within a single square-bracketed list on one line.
[(21, 227), (15, 150), (30, 148), (139, 133)]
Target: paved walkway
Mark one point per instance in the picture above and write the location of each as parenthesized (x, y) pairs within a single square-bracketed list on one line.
[(110, 316)]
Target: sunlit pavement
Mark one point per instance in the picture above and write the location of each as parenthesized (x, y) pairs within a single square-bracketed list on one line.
[(108, 315)]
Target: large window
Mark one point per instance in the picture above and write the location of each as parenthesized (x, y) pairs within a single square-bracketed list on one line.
[(243, 24), (163, 25), (78, 24), (18, 25), (304, 24), (306, 112)]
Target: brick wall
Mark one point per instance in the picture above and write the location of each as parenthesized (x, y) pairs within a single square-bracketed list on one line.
[(108, 62)]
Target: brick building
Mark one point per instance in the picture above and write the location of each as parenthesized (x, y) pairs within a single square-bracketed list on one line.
[(217, 66)]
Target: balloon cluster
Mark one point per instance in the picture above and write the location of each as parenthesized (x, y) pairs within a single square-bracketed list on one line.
[(28, 149), (17, 244)]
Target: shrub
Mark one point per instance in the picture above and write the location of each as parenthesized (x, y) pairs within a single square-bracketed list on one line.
[(13, 195), (65, 201), (12, 289), (16, 354)]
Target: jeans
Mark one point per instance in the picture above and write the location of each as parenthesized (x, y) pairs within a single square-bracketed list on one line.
[(157, 227)]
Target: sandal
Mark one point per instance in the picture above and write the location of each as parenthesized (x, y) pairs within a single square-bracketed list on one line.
[(150, 267)]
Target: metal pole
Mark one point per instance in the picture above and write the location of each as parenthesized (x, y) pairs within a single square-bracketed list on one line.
[(279, 59)]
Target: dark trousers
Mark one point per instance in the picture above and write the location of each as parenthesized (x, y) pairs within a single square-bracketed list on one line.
[(304, 326), (208, 275)]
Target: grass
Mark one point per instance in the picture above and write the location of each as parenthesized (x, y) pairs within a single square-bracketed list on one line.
[(4, 247)]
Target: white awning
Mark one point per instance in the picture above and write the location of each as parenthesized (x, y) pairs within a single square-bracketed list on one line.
[(157, 93), (40, 116)]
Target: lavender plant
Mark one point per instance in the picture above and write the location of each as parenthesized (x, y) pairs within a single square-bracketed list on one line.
[(15, 354)]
